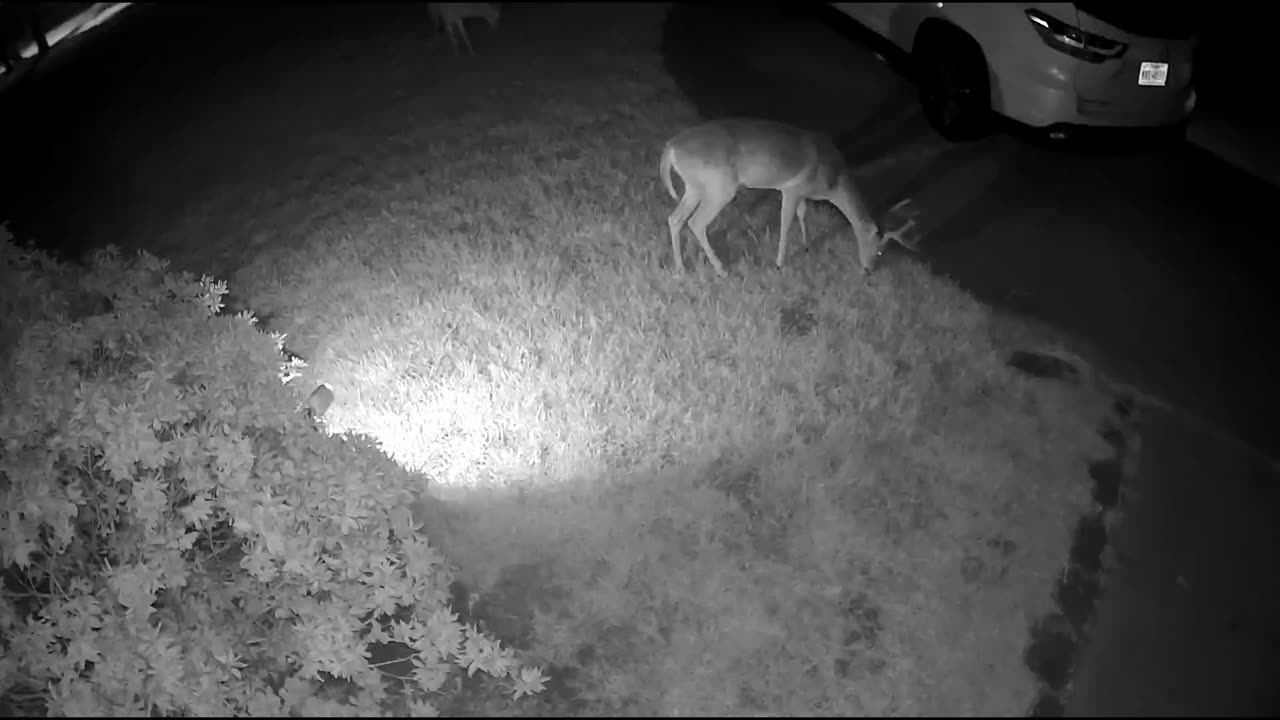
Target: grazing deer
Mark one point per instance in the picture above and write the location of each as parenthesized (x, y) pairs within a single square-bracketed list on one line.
[(452, 16), (716, 158)]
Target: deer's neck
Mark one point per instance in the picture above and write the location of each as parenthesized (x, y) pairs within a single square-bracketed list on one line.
[(850, 204)]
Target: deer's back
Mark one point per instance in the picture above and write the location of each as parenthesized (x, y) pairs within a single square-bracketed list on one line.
[(759, 153)]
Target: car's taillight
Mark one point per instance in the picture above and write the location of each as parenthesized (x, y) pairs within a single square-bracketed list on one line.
[(1073, 41)]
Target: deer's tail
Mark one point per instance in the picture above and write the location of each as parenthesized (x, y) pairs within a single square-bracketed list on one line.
[(668, 156)]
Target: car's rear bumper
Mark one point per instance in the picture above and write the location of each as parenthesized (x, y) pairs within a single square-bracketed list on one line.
[(1040, 102), (1144, 134), (1102, 138), (1041, 97)]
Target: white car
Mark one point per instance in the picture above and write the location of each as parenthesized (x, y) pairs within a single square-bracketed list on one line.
[(1051, 66)]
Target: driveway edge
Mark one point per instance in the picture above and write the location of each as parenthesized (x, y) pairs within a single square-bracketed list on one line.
[(1058, 638)]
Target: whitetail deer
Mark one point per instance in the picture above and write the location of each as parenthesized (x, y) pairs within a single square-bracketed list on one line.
[(716, 158), (451, 18)]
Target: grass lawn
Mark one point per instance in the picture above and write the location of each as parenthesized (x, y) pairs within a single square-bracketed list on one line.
[(785, 492)]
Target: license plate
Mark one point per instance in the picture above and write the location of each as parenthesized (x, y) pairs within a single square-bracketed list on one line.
[(1153, 74)]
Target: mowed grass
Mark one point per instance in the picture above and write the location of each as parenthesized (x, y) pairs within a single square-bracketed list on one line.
[(785, 492)]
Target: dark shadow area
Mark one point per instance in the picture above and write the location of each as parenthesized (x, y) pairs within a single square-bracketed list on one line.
[(730, 64), (70, 128), (1231, 45), (708, 67)]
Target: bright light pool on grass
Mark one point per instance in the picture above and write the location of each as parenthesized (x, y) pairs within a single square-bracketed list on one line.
[(456, 421), (482, 427)]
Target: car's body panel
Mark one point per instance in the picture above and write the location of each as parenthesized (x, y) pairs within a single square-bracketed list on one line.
[(1039, 85)]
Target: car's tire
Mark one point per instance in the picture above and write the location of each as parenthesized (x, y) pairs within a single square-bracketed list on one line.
[(955, 92)]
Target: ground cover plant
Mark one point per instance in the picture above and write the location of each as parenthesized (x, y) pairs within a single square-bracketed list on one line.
[(179, 539), (784, 492)]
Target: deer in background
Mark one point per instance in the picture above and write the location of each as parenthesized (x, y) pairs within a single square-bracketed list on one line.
[(716, 158), (451, 17)]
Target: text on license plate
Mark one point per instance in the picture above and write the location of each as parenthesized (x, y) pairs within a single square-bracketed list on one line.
[(1153, 73)]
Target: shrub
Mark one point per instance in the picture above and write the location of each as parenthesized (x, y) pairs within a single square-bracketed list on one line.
[(178, 538)]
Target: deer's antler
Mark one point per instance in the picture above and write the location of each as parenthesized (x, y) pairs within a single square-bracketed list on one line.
[(900, 234), (898, 208)]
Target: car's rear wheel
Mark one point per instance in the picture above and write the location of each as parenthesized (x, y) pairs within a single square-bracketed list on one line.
[(954, 89)]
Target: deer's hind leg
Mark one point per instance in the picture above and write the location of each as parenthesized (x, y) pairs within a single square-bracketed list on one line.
[(675, 222), (715, 196)]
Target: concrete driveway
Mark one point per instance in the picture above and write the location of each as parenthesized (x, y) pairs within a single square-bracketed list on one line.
[(1156, 262)]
